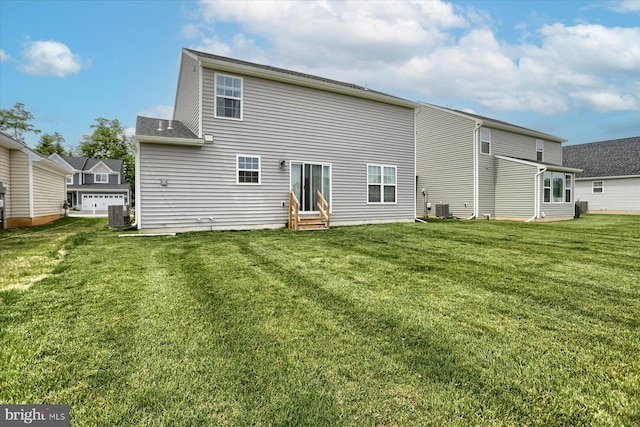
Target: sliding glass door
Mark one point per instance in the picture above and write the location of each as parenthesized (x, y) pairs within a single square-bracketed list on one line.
[(306, 180)]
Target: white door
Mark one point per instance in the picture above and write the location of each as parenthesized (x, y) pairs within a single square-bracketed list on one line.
[(101, 201)]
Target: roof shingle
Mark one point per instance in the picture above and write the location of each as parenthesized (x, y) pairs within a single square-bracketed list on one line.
[(616, 157)]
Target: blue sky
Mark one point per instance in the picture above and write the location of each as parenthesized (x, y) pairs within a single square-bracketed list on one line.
[(569, 68)]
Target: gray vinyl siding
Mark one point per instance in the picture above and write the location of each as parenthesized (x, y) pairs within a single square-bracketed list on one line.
[(113, 179), (5, 176), (515, 190), (280, 122), (552, 153), (620, 195), (19, 186), (444, 161), (487, 182), (187, 108), (48, 192)]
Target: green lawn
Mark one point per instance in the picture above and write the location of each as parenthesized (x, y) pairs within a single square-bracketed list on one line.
[(446, 323)]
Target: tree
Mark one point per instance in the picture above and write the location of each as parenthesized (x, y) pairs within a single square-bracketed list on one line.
[(50, 144), (109, 141), (17, 121)]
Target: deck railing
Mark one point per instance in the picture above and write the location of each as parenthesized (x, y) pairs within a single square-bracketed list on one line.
[(294, 211), (324, 208)]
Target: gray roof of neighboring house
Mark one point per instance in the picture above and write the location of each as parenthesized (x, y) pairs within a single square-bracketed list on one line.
[(158, 127), (616, 157), (86, 163)]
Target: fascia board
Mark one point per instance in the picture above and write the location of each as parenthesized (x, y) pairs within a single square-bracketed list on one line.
[(247, 70), (103, 164), (597, 178), (539, 165), (187, 142)]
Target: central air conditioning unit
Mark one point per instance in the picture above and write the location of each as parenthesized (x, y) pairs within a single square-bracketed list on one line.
[(442, 211), (119, 216)]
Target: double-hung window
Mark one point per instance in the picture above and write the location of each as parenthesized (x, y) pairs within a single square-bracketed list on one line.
[(539, 150), (228, 96), (568, 185), (597, 187), (381, 184), (547, 187), (485, 141), (558, 187), (248, 170), (101, 178)]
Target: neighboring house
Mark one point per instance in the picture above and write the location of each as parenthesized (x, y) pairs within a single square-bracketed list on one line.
[(486, 168), (610, 180), (95, 184), (32, 187), (244, 135)]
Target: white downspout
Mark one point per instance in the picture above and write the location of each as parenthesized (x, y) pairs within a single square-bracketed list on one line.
[(476, 173), (536, 198), (137, 222)]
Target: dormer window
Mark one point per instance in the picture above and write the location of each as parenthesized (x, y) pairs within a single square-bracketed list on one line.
[(101, 178), (228, 97)]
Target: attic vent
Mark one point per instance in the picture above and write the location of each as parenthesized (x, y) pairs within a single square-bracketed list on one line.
[(169, 127), (160, 126)]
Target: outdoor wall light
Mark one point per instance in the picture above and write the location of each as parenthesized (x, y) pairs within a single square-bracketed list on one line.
[(283, 165)]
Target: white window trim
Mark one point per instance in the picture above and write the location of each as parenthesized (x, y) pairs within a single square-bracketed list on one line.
[(553, 177), (570, 176), (485, 140), (550, 187), (70, 178), (381, 184), (215, 97), (540, 149), (593, 187), (252, 170), (95, 178)]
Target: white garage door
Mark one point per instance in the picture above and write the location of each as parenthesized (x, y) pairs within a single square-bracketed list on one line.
[(101, 201)]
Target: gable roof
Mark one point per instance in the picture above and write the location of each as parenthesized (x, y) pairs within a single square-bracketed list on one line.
[(615, 157), (498, 124), (86, 163), (294, 77), (10, 143)]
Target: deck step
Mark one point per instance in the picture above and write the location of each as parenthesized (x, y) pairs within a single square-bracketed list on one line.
[(314, 223)]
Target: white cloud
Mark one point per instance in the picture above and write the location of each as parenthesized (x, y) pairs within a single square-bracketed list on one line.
[(434, 49), (4, 56), (51, 58), (164, 112), (624, 6)]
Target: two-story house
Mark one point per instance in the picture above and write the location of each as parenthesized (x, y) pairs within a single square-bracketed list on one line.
[(249, 141), (95, 184), (470, 166)]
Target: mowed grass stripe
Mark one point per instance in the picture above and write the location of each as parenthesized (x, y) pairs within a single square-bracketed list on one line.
[(448, 323)]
